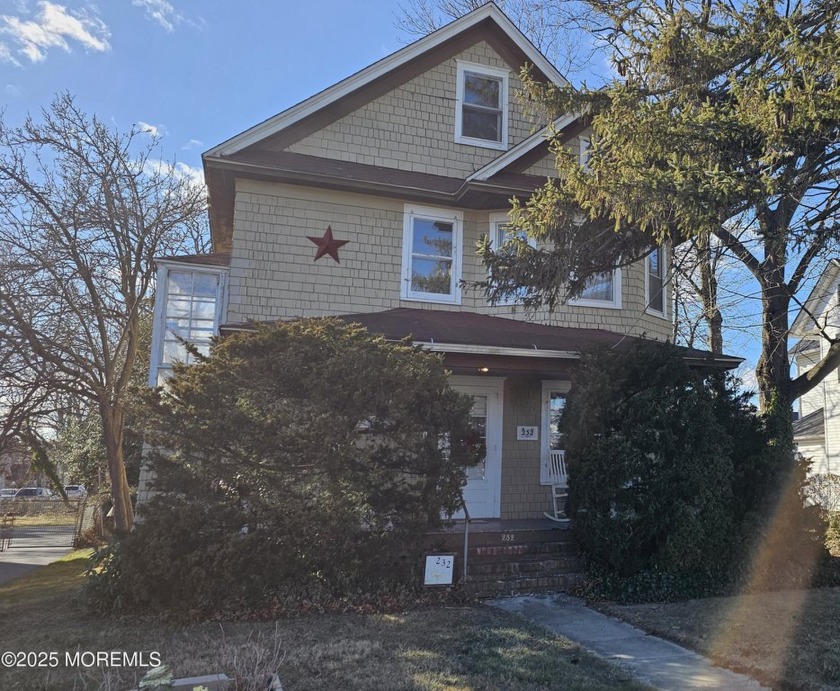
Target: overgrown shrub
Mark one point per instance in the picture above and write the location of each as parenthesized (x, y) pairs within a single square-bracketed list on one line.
[(305, 461), (674, 482)]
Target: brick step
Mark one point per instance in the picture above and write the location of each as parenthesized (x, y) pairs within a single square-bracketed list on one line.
[(546, 565), (495, 587), (511, 551), (455, 540)]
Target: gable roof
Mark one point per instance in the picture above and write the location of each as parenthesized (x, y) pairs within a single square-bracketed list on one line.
[(816, 301), (487, 13), (260, 152)]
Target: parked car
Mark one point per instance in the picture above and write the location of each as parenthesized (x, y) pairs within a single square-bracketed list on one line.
[(35, 493), (8, 493), (75, 491)]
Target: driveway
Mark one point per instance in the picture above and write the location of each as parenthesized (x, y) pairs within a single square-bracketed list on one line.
[(33, 549)]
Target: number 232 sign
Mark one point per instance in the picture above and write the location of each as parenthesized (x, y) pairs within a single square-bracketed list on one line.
[(440, 569), (527, 433)]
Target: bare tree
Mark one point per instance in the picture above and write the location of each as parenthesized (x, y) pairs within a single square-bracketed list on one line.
[(84, 209), (551, 26)]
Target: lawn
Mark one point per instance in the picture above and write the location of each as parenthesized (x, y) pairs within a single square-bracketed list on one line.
[(787, 640), (436, 649)]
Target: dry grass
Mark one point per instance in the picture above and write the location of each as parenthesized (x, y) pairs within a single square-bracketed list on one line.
[(45, 520), (438, 649), (787, 639)]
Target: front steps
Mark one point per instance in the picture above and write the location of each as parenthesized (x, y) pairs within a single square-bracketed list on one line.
[(514, 557)]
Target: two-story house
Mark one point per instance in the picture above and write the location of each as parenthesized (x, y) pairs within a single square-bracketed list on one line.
[(366, 202), (817, 431)]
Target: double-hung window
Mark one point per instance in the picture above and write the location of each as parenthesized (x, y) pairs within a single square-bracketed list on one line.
[(655, 281), (432, 255), (501, 233), (601, 290), (481, 117)]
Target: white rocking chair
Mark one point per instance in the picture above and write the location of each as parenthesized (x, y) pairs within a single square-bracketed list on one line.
[(559, 481)]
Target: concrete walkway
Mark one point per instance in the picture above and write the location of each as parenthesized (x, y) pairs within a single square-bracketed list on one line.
[(648, 659)]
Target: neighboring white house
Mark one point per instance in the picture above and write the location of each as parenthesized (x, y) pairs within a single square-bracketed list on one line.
[(366, 202), (817, 431)]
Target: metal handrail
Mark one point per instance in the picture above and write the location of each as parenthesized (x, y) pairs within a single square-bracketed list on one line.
[(466, 532)]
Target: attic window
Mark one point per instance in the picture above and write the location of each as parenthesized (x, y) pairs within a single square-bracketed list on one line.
[(481, 117)]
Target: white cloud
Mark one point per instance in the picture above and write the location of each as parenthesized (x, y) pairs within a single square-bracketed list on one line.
[(192, 144), (52, 27), (748, 381), (160, 11), (6, 54), (195, 176), (12, 90), (151, 130)]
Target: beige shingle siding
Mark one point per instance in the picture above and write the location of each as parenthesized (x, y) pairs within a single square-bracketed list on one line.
[(544, 168), (413, 126), (273, 275)]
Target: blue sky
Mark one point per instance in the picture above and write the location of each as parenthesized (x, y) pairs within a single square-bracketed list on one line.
[(197, 72)]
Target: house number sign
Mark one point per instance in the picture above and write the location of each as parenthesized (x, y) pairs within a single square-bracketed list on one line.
[(440, 569), (527, 433)]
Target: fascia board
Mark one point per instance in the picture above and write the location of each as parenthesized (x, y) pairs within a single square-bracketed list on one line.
[(499, 164), (496, 350)]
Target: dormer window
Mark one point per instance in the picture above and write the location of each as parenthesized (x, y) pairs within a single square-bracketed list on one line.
[(481, 106)]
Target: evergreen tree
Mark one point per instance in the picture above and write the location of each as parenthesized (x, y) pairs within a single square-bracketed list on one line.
[(723, 124)]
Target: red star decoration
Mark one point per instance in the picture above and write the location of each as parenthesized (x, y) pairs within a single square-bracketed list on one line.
[(327, 245)]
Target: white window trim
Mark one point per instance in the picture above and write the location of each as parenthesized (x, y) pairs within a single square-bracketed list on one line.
[(456, 218), (583, 152), (161, 296), (496, 220), (663, 267), (548, 385), (614, 304), (496, 73)]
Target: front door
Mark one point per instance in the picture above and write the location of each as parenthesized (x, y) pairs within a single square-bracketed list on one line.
[(484, 481)]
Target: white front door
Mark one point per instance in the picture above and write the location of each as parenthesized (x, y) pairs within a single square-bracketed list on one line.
[(482, 493)]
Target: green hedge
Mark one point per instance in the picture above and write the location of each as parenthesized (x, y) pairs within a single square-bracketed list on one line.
[(306, 461), (674, 482)]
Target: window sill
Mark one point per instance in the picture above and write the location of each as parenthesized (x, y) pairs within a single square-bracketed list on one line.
[(600, 304), (482, 143), (445, 300)]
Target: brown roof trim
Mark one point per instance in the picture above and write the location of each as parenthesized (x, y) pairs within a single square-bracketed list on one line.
[(306, 169), (303, 169), (209, 259)]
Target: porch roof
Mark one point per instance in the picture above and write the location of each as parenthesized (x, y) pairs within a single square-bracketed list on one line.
[(471, 334), (810, 425)]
